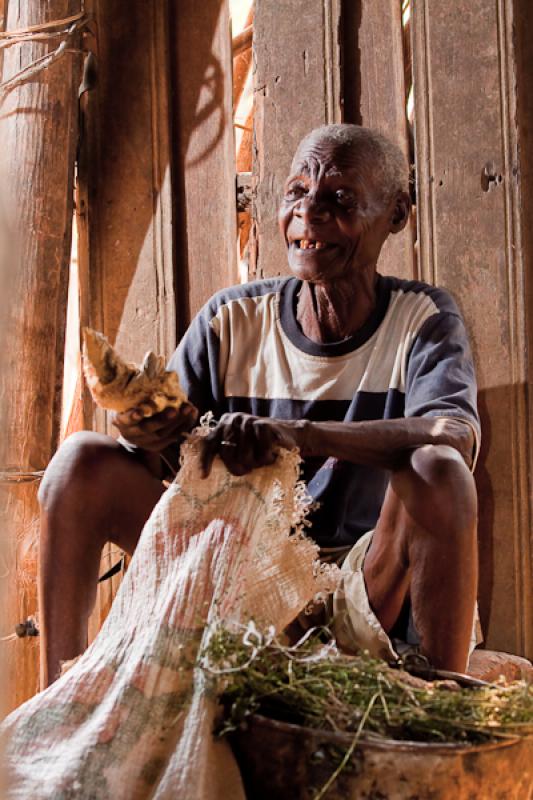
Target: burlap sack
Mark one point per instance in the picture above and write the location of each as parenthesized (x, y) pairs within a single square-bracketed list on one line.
[(133, 717)]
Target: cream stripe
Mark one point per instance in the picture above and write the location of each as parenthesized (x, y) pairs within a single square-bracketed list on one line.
[(258, 360)]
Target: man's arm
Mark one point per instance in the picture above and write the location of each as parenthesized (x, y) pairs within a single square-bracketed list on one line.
[(245, 442), (383, 443)]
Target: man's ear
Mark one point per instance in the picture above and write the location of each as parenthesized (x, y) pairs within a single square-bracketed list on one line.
[(401, 212)]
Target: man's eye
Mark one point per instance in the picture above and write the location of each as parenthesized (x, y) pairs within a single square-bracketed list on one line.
[(344, 198), (293, 192)]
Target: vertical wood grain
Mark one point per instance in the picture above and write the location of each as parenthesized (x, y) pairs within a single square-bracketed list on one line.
[(204, 152), (125, 202), (38, 129), (471, 241), (296, 88), (375, 92)]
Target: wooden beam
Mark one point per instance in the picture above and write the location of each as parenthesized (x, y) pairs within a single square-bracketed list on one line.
[(204, 181), (125, 205), (470, 189), (242, 63), (126, 173), (296, 89), (375, 96), (157, 150), (38, 130), (243, 41)]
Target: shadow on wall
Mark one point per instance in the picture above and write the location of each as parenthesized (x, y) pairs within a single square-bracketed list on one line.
[(151, 60), (486, 517), (502, 555)]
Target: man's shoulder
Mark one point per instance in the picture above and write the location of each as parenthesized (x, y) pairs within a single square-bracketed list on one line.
[(242, 291), (437, 299)]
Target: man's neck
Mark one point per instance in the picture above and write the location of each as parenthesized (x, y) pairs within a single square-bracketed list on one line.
[(333, 312)]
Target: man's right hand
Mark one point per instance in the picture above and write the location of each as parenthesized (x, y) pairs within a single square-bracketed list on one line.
[(158, 432)]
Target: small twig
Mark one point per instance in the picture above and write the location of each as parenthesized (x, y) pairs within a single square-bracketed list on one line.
[(44, 26), (33, 69), (30, 37), (78, 21), (350, 750), (16, 475)]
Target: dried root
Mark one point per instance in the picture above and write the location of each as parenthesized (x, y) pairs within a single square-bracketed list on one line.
[(118, 385)]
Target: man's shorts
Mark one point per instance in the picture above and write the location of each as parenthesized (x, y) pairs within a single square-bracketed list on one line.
[(354, 624)]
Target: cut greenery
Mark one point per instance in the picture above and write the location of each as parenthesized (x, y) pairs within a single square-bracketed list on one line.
[(313, 684)]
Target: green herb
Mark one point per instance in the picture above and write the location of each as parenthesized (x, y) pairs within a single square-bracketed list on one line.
[(313, 684)]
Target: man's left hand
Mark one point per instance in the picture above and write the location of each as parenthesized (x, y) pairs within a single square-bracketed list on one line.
[(245, 442)]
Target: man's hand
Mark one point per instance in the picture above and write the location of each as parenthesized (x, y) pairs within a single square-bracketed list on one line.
[(245, 442), (156, 433)]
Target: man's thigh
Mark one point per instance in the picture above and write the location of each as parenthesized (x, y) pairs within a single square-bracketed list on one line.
[(101, 488)]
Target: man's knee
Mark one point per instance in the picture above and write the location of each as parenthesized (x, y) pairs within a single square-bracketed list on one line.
[(80, 463), (437, 478)]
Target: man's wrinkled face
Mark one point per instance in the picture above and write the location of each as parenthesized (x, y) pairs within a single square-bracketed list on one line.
[(333, 216)]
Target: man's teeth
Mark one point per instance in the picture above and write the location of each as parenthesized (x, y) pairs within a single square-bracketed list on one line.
[(309, 244)]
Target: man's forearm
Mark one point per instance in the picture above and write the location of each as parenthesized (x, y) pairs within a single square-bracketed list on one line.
[(383, 443)]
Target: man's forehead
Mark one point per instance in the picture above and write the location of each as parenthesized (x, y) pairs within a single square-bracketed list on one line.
[(330, 157)]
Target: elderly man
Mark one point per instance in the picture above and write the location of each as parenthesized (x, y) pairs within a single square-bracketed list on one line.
[(370, 376)]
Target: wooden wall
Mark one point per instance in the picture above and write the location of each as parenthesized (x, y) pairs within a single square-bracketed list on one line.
[(157, 182), (156, 207), (296, 62), (474, 187), (156, 213), (469, 155)]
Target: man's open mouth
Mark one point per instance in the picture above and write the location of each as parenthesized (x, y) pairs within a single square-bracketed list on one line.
[(311, 244)]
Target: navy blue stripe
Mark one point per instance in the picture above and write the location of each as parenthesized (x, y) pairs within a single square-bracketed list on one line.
[(364, 406), (288, 299)]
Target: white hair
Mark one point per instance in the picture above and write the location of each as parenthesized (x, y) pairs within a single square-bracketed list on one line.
[(389, 163)]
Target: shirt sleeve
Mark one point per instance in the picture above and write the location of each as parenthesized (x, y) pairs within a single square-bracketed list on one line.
[(196, 362), (440, 380)]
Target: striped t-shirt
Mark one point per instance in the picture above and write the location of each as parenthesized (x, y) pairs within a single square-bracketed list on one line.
[(245, 351)]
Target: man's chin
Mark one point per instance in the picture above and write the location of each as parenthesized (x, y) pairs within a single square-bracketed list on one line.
[(314, 273)]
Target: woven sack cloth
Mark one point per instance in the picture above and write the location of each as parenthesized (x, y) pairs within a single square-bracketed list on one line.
[(133, 717)]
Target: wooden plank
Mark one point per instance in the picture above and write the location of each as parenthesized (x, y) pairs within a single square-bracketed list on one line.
[(124, 202), (128, 209), (296, 88), (204, 180), (375, 96), (470, 189), (38, 130), (157, 147), (522, 26), (8, 533)]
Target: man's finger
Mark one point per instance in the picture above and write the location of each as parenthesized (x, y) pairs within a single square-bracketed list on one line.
[(128, 418), (209, 448)]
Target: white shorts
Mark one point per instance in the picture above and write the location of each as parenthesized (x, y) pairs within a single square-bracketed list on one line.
[(354, 624)]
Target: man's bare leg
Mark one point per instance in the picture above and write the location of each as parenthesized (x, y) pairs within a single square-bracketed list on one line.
[(425, 545), (93, 492)]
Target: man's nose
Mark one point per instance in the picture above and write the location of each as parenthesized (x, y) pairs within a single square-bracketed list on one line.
[(311, 209)]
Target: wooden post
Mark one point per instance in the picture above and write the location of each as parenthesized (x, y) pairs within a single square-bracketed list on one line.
[(38, 130), (157, 150), (470, 185), (296, 89), (375, 96), (124, 202), (205, 176)]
